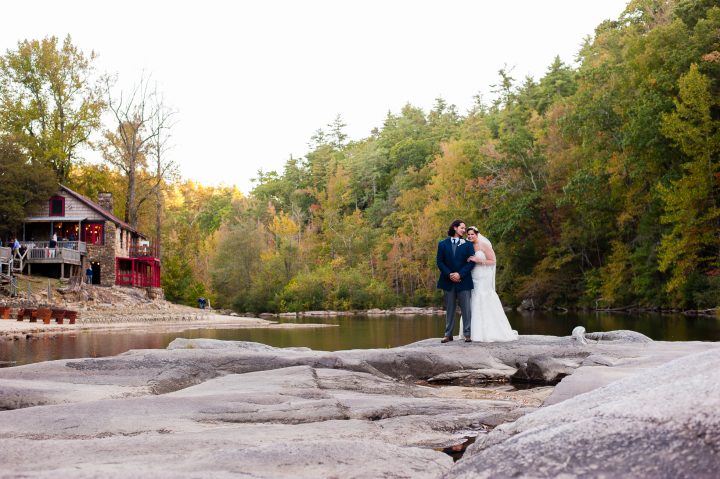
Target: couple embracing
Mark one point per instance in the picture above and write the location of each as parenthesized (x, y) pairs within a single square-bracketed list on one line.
[(467, 275)]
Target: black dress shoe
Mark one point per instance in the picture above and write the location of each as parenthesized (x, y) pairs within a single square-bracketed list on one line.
[(467, 339), (446, 339)]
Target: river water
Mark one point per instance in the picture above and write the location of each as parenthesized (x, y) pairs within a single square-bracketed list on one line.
[(353, 332)]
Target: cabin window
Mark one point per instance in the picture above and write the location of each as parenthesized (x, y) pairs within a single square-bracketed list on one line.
[(93, 233), (57, 206)]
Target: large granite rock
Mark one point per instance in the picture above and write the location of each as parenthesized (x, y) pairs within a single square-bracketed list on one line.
[(214, 408), (289, 422), (661, 423)]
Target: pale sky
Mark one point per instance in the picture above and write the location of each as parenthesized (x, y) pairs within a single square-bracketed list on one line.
[(252, 81)]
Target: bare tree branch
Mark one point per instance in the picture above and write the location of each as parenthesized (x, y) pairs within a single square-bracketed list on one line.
[(138, 144)]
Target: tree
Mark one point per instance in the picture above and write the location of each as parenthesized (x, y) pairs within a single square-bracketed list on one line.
[(24, 183), (443, 120), (192, 214), (691, 201), (165, 169), (558, 82), (337, 135), (142, 124), (51, 101)]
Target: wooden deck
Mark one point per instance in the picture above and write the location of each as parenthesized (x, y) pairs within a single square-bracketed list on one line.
[(53, 255), (80, 246), (32, 254)]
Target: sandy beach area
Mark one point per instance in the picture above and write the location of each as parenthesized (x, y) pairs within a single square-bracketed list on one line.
[(125, 309), (13, 327)]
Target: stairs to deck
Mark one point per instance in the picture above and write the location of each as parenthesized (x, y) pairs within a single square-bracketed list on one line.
[(18, 261), (17, 265)]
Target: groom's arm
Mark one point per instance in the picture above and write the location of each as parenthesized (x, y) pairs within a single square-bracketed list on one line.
[(440, 259), (469, 265)]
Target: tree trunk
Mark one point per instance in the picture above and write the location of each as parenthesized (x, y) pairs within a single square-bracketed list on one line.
[(130, 207), (158, 211)]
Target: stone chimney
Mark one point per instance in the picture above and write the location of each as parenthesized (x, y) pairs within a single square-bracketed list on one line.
[(105, 200)]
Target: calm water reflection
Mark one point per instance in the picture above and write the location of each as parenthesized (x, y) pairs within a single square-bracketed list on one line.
[(355, 332)]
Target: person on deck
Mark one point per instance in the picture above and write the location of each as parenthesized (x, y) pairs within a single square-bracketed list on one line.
[(50, 251)]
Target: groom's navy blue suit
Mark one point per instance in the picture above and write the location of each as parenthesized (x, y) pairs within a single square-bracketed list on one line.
[(449, 262)]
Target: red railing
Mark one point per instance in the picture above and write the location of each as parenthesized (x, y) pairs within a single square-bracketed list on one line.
[(141, 273), (134, 279)]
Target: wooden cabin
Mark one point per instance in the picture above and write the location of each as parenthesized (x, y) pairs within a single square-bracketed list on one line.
[(87, 234)]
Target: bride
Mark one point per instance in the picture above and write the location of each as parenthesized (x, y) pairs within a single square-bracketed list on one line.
[(488, 321)]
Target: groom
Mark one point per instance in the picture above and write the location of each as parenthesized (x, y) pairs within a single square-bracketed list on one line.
[(455, 279)]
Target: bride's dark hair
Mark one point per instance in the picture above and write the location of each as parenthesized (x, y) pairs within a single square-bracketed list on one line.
[(473, 228)]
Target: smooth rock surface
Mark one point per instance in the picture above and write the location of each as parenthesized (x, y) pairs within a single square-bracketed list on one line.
[(290, 422), (207, 408), (662, 423)]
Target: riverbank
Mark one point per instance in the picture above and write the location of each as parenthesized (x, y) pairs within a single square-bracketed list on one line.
[(401, 311), (622, 404), (122, 309), (523, 308), (12, 329)]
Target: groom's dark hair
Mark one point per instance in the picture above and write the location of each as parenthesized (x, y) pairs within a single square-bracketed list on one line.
[(453, 225)]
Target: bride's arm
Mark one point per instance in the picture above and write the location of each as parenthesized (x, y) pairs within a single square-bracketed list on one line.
[(489, 254)]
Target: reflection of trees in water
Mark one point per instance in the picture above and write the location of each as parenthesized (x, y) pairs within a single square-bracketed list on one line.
[(677, 328), (660, 327)]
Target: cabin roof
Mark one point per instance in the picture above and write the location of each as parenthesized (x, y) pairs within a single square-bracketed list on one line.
[(48, 219), (99, 209)]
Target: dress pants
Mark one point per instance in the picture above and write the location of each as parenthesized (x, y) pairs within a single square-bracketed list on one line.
[(464, 298)]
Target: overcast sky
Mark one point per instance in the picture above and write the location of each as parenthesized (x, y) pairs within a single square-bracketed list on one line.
[(253, 80)]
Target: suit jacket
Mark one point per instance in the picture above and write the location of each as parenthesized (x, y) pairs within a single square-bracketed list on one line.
[(447, 263)]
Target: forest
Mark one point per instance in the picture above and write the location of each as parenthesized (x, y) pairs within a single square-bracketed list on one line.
[(598, 184)]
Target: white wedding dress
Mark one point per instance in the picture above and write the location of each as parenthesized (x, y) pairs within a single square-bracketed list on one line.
[(489, 323)]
